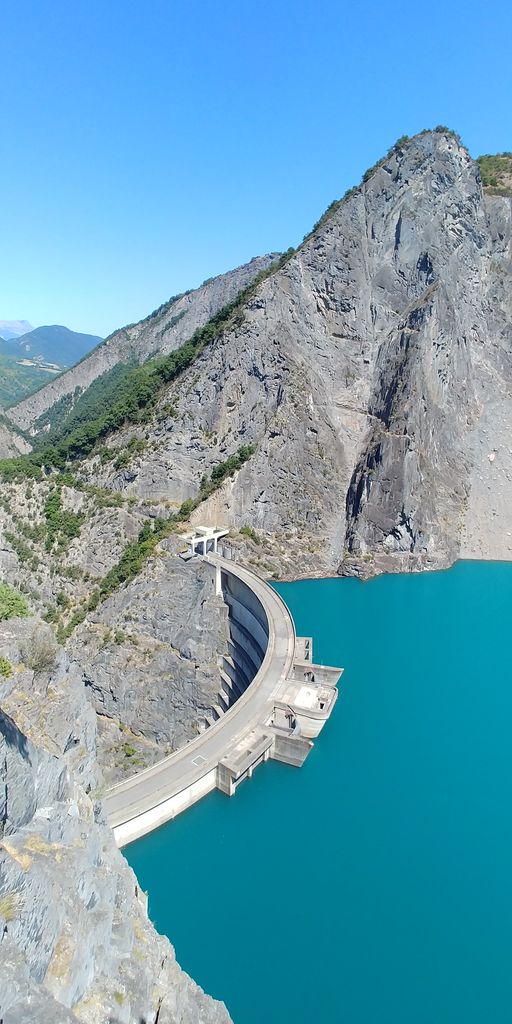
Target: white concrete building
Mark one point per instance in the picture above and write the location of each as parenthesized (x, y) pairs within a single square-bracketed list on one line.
[(204, 540)]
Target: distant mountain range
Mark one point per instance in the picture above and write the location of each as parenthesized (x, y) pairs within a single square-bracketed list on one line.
[(14, 328), (29, 356), (52, 344), (163, 331)]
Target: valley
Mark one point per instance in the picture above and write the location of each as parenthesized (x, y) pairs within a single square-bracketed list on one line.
[(342, 409)]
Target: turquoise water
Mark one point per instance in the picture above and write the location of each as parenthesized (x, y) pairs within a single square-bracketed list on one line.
[(374, 885)]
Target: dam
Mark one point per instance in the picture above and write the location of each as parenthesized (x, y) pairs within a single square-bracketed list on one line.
[(273, 701), (375, 889)]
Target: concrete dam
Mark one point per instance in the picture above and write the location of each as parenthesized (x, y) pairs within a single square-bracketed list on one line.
[(273, 701)]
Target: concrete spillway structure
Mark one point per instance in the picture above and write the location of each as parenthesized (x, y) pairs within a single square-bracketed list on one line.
[(273, 701)]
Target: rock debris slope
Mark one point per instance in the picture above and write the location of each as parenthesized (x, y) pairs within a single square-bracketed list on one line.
[(373, 373)]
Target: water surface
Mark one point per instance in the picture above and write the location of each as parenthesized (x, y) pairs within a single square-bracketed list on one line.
[(374, 885)]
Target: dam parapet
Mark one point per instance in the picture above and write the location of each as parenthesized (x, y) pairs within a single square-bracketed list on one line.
[(273, 701)]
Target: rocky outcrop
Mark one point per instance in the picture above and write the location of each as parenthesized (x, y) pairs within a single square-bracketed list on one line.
[(75, 940), (373, 374), (166, 625), (74, 565), (149, 658), (166, 329), (11, 443)]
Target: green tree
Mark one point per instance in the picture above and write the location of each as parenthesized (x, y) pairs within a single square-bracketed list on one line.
[(12, 604)]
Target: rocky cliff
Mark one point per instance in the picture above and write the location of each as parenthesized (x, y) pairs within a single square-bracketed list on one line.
[(166, 624), (11, 444), (75, 940), (170, 325), (373, 374), (168, 627)]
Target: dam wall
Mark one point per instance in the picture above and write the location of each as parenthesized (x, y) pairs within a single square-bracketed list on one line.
[(248, 626), (270, 705)]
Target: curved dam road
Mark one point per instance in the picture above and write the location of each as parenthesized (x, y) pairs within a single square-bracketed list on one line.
[(155, 795)]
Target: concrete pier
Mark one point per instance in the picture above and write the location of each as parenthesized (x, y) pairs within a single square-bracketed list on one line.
[(203, 539), (273, 701)]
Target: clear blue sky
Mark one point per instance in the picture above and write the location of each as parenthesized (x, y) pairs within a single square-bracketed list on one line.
[(146, 146)]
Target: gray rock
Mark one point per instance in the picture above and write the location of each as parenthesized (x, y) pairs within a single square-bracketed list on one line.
[(149, 658), (75, 940), (11, 444), (364, 371), (160, 333)]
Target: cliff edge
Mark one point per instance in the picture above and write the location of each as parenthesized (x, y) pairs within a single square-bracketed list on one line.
[(75, 940)]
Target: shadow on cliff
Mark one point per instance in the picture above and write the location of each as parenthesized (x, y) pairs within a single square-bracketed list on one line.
[(13, 736)]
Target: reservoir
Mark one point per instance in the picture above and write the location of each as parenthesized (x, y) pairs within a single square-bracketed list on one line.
[(373, 885)]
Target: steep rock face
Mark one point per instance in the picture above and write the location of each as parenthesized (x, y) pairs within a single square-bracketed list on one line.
[(11, 444), (166, 625), (75, 940), (363, 371), (160, 333), (154, 678)]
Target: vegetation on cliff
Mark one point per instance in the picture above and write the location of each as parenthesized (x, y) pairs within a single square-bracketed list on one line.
[(396, 148), (136, 552), (62, 524), (12, 604), (125, 396), (496, 172)]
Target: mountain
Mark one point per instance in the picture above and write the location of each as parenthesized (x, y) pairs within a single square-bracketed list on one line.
[(14, 328), (53, 344), (345, 407), (372, 374), (28, 360), (371, 370), (160, 333)]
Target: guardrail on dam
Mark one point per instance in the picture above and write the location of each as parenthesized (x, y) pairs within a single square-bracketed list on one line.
[(273, 701)]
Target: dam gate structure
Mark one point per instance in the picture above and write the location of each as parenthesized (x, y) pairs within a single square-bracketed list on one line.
[(273, 701)]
